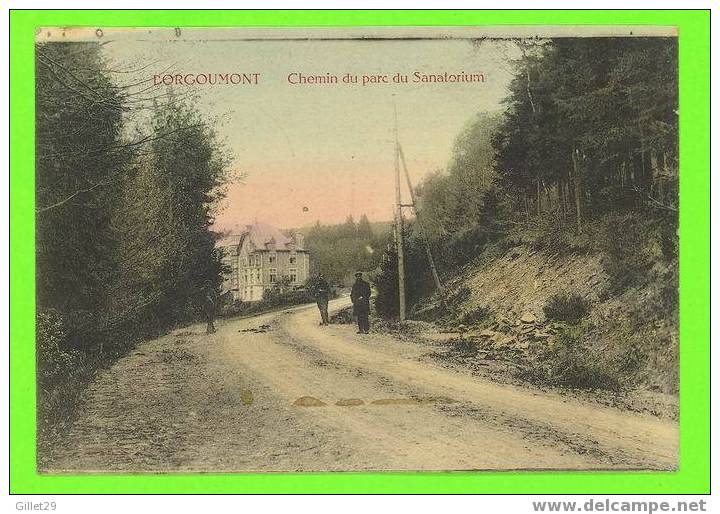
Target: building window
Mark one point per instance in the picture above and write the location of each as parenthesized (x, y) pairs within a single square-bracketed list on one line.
[(293, 275), (272, 259), (293, 259), (273, 275)]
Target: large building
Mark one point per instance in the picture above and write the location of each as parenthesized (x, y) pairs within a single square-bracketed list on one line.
[(261, 257)]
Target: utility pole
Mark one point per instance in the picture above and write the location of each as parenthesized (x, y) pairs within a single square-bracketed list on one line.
[(413, 203), (399, 226)]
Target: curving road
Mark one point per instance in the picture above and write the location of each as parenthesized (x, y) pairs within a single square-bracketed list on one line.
[(277, 392)]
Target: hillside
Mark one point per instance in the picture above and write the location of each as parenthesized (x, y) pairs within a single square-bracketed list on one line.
[(535, 315)]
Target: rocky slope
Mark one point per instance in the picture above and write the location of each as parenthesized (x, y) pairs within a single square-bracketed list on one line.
[(495, 322)]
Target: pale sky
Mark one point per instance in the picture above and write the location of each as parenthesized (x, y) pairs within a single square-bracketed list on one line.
[(327, 148)]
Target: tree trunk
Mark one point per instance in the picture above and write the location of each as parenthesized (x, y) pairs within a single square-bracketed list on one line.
[(577, 182), (548, 197), (559, 197), (527, 206)]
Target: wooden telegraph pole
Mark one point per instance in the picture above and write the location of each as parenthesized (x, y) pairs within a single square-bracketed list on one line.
[(400, 157), (413, 204), (399, 226)]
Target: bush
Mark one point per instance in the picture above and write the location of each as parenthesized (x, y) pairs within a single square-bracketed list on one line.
[(457, 297), (53, 362), (566, 307), (343, 317), (418, 280), (568, 363), (555, 234), (631, 359), (463, 348), (433, 309), (271, 299), (461, 246), (280, 298), (475, 316), (625, 240), (61, 375)]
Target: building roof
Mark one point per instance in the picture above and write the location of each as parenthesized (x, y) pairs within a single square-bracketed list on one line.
[(229, 240), (260, 235)]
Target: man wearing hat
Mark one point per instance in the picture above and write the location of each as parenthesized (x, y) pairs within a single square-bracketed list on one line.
[(322, 297), (360, 296)]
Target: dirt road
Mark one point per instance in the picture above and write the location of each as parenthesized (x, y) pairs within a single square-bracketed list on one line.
[(277, 392)]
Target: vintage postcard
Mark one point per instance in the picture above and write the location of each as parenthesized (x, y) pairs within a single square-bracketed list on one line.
[(360, 249)]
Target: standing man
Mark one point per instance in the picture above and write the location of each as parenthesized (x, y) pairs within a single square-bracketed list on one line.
[(209, 306), (360, 296), (322, 297)]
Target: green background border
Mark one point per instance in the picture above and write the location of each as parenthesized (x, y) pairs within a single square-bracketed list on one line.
[(694, 473)]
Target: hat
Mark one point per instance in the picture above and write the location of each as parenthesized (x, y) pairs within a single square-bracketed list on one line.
[(358, 274)]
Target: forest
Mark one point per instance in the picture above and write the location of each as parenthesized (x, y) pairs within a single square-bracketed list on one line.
[(339, 250), (583, 157), (128, 177)]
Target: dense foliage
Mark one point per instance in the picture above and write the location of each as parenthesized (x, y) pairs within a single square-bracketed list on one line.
[(566, 307), (591, 127), (418, 281), (459, 209), (79, 159), (585, 151), (122, 220), (338, 251), (164, 247)]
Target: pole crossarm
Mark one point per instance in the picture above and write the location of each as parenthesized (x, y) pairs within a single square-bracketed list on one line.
[(428, 252)]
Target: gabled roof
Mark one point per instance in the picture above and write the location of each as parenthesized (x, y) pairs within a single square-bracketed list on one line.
[(229, 240), (259, 235)]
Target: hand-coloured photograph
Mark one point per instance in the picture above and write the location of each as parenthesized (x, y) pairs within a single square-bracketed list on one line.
[(357, 249)]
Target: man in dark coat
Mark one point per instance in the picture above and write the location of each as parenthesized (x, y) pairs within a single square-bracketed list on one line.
[(322, 297), (360, 296)]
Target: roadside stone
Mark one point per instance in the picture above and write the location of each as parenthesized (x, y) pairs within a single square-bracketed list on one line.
[(504, 341), (528, 317)]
